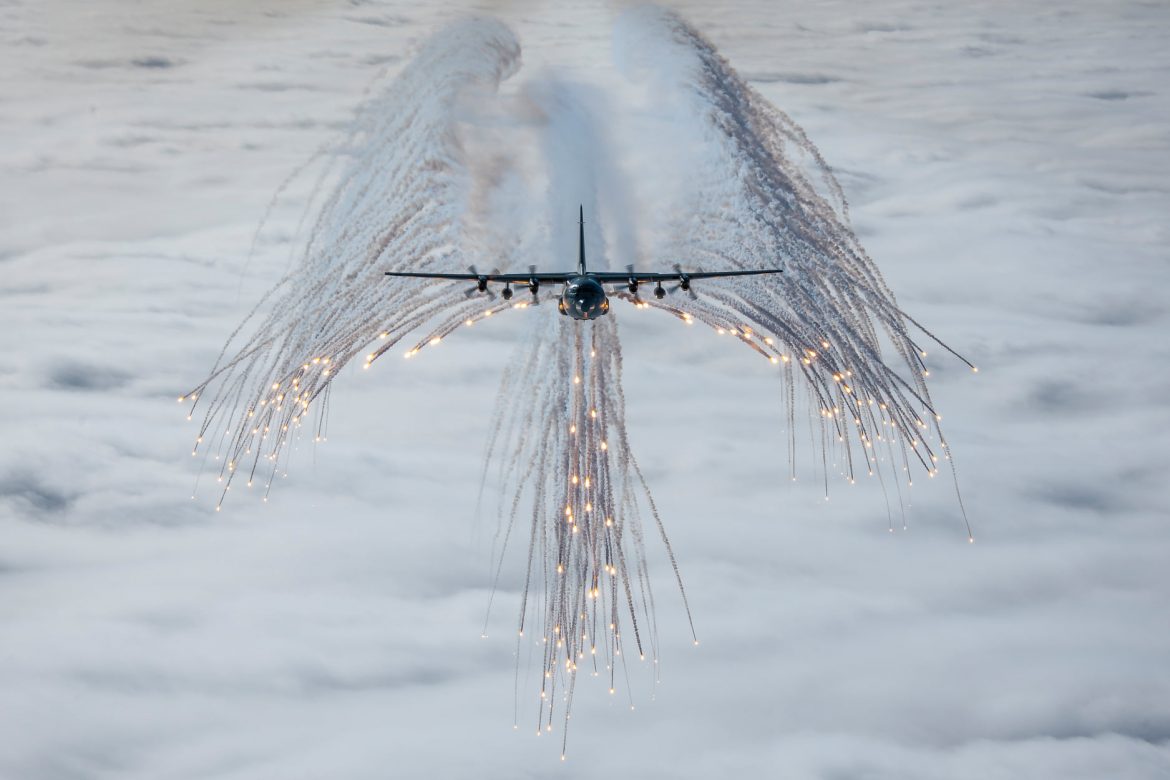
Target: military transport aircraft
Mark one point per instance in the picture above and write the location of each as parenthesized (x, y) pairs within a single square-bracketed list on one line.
[(583, 296)]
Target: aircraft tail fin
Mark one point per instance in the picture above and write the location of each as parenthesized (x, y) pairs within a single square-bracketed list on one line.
[(581, 245)]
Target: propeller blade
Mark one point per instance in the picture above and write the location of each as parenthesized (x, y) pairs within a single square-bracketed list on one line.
[(632, 285), (481, 286), (685, 282), (475, 289)]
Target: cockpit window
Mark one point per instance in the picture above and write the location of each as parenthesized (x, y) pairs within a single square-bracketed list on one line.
[(586, 299)]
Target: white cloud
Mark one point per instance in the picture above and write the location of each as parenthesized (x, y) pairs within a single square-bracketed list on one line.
[(1006, 170)]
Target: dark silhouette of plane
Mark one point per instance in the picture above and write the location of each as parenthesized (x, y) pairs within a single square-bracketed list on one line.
[(583, 296)]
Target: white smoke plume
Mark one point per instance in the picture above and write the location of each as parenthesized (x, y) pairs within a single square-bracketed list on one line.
[(760, 195), (413, 194), (399, 204)]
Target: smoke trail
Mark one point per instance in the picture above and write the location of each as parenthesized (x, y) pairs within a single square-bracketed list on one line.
[(580, 157), (766, 197), (559, 443), (587, 569), (397, 206), (413, 195), (409, 198)]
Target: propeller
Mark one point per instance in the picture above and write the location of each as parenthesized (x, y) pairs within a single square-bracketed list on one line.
[(481, 283), (684, 283), (534, 285)]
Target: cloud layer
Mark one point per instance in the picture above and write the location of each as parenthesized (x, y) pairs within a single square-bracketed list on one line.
[(1006, 172)]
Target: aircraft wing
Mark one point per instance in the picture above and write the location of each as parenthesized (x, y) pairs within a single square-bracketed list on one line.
[(623, 277), (543, 278), (605, 277)]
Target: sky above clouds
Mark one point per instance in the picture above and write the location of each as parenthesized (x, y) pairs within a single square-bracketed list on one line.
[(1006, 167)]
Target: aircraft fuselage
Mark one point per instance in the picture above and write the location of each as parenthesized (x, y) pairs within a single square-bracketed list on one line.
[(583, 299)]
